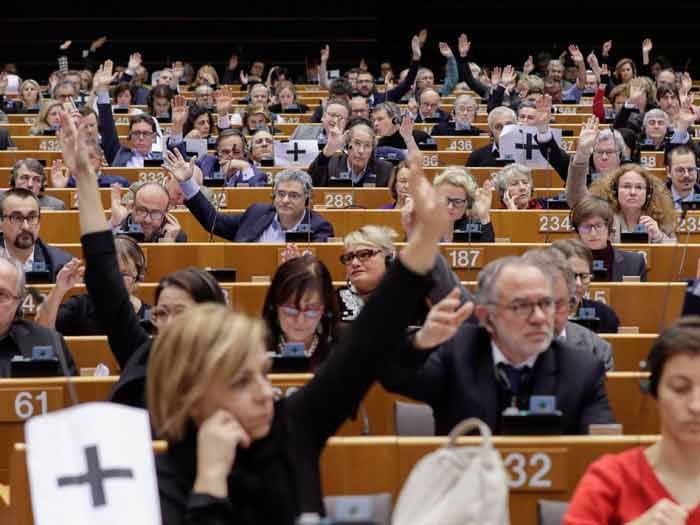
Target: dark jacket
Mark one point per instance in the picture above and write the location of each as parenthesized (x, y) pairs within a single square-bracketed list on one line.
[(278, 477), (126, 223), (487, 232), (129, 341), (209, 164), (557, 157), (485, 157), (608, 321), (439, 114), (458, 379), (324, 168), (250, 225), (395, 140), (447, 129), (77, 315), (54, 258), (25, 335)]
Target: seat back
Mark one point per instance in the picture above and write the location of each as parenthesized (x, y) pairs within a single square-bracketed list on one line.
[(414, 419), (551, 512)]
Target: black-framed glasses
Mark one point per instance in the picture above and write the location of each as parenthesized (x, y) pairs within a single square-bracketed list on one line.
[(525, 309), (456, 203), (293, 311), (362, 255), (155, 215), (17, 218), (584, 276)]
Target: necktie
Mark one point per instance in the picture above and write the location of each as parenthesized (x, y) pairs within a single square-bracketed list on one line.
[(516, 376)]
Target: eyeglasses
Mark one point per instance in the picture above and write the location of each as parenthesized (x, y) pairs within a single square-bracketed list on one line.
[(606, 152), (456, 203), (142, 134), (336, 116), (364, 146), (228, 152), (293, 195), (588, 228), (584, 276), (17, 218), (309, 313), (525, 309), (362, 255), (679, 170), (155, 215), (6, 297)]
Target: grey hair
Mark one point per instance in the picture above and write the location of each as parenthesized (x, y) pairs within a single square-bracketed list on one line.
[(64, 83), (611, 134), (32, 165), (656, 114), (503, 176), (548, 259), (21, 279), (467, 99), (500, 111), (487, 280), (555, 62), (526, 104), (294, 175)]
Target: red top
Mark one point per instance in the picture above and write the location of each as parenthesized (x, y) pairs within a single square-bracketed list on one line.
[(616, 489)]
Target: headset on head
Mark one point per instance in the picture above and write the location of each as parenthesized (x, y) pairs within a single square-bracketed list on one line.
[(308, 189)]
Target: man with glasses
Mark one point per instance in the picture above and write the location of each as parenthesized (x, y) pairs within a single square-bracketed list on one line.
[(290, 210), (682, 173), (21, 218), (149, 216), (19, 337), (29, 174), (483, 370), (230, 162)]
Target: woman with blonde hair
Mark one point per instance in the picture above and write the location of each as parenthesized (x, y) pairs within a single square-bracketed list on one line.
[(29, 101), (467, 205), (48, 121), (206, 76), (234, 453)]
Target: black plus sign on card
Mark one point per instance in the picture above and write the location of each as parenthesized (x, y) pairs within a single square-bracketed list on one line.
[(296, 151), (529, 146), (95, 476)]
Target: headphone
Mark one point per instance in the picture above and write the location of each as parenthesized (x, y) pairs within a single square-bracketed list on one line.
[(394, 112), (308, 188), (140, 261), (389, 259)]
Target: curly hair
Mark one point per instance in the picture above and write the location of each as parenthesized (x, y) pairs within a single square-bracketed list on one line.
[(660, 207)]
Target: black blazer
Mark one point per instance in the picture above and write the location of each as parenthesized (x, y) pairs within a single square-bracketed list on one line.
[(485, 157), (609, 322), (458, 380), (25, 335), (447, 128), (55, 258), (250, 225), (323, 168)]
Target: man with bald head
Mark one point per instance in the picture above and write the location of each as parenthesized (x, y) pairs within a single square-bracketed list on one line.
[(21, 220), (429, 107), (511, 356), (17, 336), (149, 216)]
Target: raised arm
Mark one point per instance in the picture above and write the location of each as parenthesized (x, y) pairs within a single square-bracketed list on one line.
[(465, 72), (102, 278), (334, 393), (396, 93), (70, 275), (452, 75), (323, 67), (578, 167)]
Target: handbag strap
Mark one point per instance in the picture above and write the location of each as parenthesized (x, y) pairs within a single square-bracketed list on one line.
[(468, 425)]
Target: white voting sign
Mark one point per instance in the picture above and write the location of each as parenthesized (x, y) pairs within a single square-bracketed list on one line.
[(298, 153), (92, 463), (518, 143)]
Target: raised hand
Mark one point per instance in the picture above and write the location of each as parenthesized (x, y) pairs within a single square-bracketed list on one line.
[(647, 46), (604, 70), (74, 147), (65, 45), (244, 78), (464, 45), (102, 79), (543, 114), (576, 54), (593, 62), (495, 76), (422, 36), (325, 54), (177, 166), (686, 83), (59, 179), (406, 128), (223, 99), (179, 111), (119, 211), (607, 46), (529, 65), (335, 138), (415, 47), (508, 76), (98, 43), (429, 210), (134, 61), (588, 136), (443, 321), (637, 92), (363, 64), (482, 202), (687, 114), (70, 275), (509, 201), (445, 50)]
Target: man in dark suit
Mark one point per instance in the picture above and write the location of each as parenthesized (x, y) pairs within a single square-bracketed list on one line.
[(19, 337), (290, 210), (511, 356), (357, 166), (21, 217), (488, 155), (429, 107)]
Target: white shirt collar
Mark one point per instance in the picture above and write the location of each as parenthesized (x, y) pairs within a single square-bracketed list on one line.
[(29, 263), (498, 357)]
